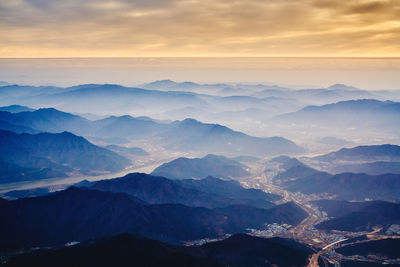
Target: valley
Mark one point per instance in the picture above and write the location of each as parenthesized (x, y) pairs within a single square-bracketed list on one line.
[(261, 176)]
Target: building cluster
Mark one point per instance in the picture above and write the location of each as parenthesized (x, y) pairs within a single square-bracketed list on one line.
[(270, 230), (394, 229)]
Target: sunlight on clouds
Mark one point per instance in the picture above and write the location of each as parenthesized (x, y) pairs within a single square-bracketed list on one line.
[(200, 28)]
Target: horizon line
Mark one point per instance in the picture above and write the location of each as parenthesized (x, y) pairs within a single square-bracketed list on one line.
[(211, 57)]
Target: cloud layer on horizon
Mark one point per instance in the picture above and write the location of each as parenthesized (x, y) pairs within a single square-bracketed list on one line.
[(63, 28)]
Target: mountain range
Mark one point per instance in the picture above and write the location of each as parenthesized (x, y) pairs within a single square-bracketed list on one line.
[(79, 214), (29, 157), (186, 135), (209, 192), (363, 114), (127, 250)]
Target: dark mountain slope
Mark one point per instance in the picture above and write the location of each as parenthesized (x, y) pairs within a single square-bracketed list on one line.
[(63, 152), (385, 247), (371, 168), (127, 250), (82, 214), (377, 214), (350, 186), (228, 188), (288, 213), (338, 208), (210, 165), (160, 190)]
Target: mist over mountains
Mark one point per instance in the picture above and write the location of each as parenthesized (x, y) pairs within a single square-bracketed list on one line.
[(256, 109), (186, 135), (136, 172)]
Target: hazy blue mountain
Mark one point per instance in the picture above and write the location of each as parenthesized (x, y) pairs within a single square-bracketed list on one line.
[(47, 120), (210, 165), (10, 173), (125, 127), (331, 140), (363, 153), (246, 158), (350, 186), (365, 114), (168, 85), (189, 135), (287, 162), (125, 151), (334, 93), (376, 214), (199, 193), (7, 125), (127, 250), (296, 172), (53, 154), (14, 92), (372, 168), (15, 108), (186, 135), (82, 214), (123, 99), (290, 169)]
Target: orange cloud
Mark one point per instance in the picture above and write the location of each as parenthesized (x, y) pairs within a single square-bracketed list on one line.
[(73, 28)]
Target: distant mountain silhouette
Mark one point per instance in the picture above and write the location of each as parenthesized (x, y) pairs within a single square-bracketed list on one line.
[(363, 153), (377, 214), (47, 120), (334, 93), (372, 168), (15, 108), (363, 114), (44, 155), (210, 165), (82, 214), (127, 250)]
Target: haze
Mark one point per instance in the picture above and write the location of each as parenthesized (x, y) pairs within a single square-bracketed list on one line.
[(382, 73)]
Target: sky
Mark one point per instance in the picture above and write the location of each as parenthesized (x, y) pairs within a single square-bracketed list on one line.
[(199, 28)]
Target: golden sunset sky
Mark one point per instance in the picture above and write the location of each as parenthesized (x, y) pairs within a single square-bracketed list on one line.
[(152, 28)]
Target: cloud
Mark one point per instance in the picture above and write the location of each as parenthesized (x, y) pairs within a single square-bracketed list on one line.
[(199, 27)]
